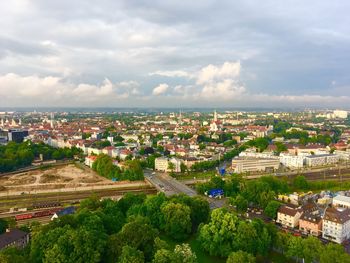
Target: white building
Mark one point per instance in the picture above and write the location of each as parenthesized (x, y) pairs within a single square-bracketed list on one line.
[(341, 114), (341, 201), (291, 161), (288, 216), (162, 164), (321, 159), (336, 224), (249, 164), (89, 160)]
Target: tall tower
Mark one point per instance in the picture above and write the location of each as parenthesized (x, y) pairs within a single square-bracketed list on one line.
[(180, 117), (52, 120), (215, 116)]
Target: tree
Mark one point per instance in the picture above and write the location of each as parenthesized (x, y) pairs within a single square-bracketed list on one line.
[(246, 238), (177, 219), (333, 253), (140, 235), (312, 247), (171, 167), (295, 248), (272, 208), (241, 203), (240, 257), (163, 256), (3, 225), (300, 182), (181, 254), (217, 237), (184, 254), (183, 167), (131, 255)]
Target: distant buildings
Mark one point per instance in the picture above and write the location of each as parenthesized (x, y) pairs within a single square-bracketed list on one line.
[(250, 164), (321, 159), (162, 164), (341, 114), (14, 135)]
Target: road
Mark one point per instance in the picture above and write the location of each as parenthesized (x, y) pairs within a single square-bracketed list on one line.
[(167, 184), (170, 186)]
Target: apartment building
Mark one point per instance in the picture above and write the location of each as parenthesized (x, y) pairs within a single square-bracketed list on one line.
[(288, 215), (162, 164), (321, 159), (336, 224), (310, 224), (291, 161), (250, 164)]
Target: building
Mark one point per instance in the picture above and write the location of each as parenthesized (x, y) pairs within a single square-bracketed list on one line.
[(310, 224), (341, 201), (89, 160), (289, 215), (249, 164), (17, 135), (336, 224), (292, 161), (321, 159), (14, 237), (162, 164), (341, 114)]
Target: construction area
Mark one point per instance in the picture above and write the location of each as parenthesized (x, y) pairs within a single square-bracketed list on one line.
[(71, 177)]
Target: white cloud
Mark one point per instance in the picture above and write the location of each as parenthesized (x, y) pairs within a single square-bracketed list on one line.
[(36, 90), (172, 73), (226, 89), (211, 73), (160, 89)]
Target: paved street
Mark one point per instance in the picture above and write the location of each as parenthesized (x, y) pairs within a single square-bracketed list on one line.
[(170, 186)]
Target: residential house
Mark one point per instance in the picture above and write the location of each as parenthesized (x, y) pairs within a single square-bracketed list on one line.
[(288, 215), (336, 224)]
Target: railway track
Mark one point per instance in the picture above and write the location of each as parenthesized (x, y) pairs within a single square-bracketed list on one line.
[(41, 220), (27, 200)]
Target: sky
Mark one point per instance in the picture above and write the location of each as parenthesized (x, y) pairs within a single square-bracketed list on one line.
[(165, 53)]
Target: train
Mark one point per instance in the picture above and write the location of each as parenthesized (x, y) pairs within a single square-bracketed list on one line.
[(37, 214), (46, 205)]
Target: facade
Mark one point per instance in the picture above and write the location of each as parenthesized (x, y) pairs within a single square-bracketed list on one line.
[(17, 135), (249, 164), (341, 114), (336, 224), (162, 164), (14, 237), (288, 216), (89, 160), (321, 159), (310, 224), (292, 161), (341, 201)]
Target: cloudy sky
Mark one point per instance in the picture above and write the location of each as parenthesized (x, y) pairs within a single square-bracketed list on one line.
[(175, 53)]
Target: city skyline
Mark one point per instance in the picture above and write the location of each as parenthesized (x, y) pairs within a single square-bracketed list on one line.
[(206, 54)]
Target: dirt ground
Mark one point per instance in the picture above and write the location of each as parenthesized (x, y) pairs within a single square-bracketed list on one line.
[(68, 176)]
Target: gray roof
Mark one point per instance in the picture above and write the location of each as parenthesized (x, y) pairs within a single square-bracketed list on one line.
[(12, 236)]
